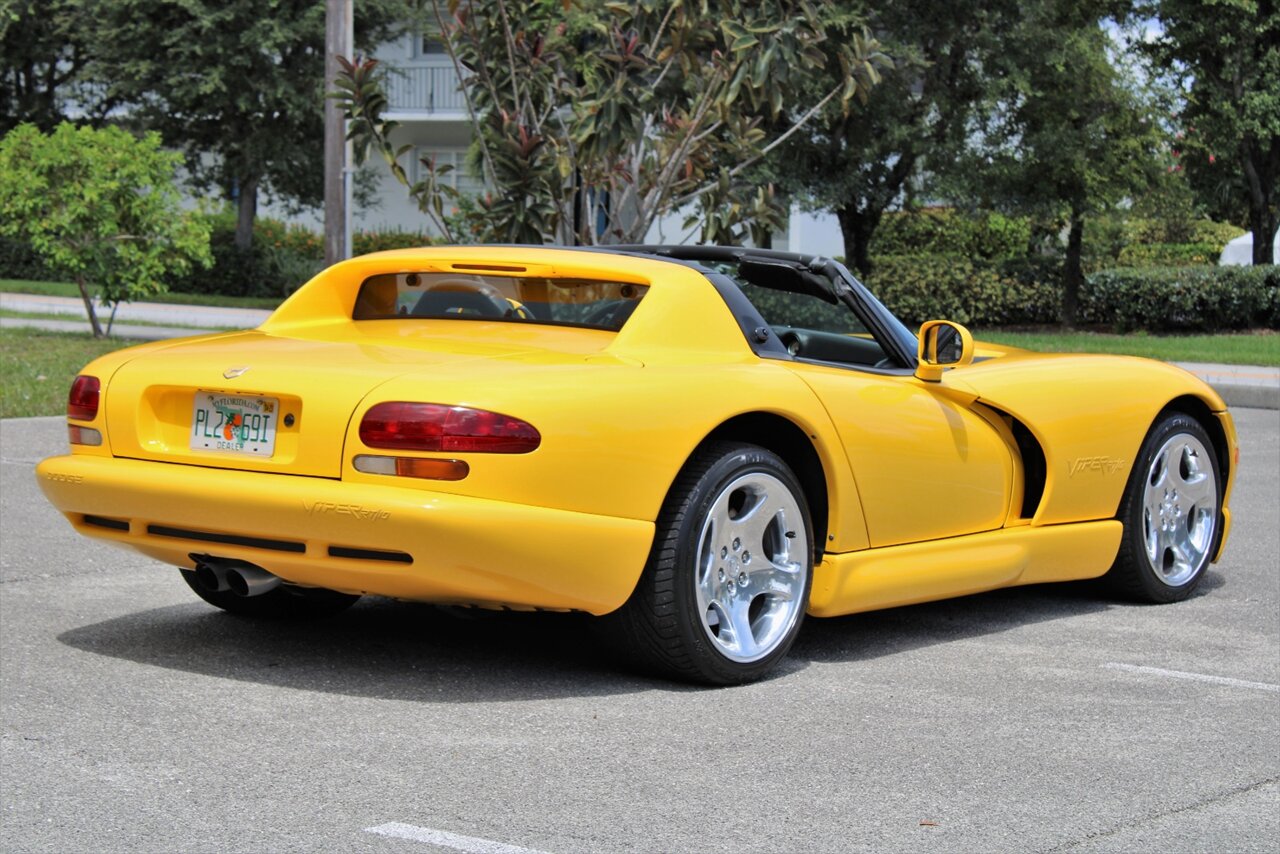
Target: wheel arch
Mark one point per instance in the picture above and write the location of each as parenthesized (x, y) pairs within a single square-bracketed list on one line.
[(789, 441)]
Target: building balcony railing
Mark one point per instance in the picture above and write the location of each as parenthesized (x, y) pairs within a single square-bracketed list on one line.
[(429, 89)]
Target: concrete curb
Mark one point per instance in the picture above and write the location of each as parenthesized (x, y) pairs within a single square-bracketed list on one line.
[(1248, 386)]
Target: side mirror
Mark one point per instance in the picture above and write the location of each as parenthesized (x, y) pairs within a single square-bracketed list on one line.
[(942, 345)]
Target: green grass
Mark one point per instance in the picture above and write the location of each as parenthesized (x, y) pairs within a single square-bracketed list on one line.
[(1247, 348), (38, 368), (68, 289)]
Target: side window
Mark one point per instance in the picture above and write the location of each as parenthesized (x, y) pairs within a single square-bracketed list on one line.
[(812, 328)]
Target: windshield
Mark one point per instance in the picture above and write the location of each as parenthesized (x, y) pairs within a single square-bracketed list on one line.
[(461, 296)]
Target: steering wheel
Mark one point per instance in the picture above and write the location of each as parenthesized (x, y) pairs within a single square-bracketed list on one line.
[(517, 309)]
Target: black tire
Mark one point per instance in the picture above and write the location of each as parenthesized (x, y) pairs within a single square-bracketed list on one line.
[(732, 635), (1172, 514), (285, 602)]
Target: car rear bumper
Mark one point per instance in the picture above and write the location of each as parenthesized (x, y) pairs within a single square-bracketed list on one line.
[(357, 538)]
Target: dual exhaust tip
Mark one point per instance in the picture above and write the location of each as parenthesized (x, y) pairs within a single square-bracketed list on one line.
[(221, 575)]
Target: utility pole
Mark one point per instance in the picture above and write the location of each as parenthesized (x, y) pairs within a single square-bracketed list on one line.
[(338, 41)]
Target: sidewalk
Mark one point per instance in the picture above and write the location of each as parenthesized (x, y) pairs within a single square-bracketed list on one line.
[(1239, 385), (201, 316)]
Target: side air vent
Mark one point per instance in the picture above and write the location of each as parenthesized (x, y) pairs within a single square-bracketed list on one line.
[(1033, 467)]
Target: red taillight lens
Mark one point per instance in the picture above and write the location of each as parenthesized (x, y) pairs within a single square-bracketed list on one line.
[(82, 403), (434, 427)]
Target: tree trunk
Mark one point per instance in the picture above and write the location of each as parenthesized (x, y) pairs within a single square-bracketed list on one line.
[(88, 306), (247, 210), (1073, 271), (857, 227), (1260, 184)]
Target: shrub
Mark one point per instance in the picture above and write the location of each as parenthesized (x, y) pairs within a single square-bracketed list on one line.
[(922, 287), (19, 261), (1183, 299), (947, 231), (1027, 291), (1169, 254), (1137, 230), (364, 242), (283, 256)]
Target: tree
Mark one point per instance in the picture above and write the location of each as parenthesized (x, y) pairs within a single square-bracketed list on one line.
[(593, 119), (858, 164), (43, 56), (100, 207), (1227, 54), (1069, 134), (237, 84)]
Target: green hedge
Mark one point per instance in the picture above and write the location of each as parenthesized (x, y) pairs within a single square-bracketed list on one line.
[(940, 231), (1164, 231), (1026, 291), (1169, 254), (1183, 299), (282, 258), (19, 261), (923, 287)]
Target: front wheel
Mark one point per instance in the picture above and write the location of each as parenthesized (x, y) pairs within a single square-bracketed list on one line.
[(724, 592), (1171, 512)]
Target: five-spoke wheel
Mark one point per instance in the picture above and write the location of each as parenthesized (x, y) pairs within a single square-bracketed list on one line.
[(727, 583), (1171, 511), (752, 564)]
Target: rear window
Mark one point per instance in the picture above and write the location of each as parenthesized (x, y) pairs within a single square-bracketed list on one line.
[(463, 296)]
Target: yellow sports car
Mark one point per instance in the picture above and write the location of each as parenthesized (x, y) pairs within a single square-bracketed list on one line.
[(696, 444)]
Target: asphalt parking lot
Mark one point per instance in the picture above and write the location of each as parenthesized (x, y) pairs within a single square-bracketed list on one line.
[(136, 718)]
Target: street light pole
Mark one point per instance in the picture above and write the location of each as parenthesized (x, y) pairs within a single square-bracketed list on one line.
[(337, 218)]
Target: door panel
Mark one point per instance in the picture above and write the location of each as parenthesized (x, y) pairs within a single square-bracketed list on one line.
[(926, 467)]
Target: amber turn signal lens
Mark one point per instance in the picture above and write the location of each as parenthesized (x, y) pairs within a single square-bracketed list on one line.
[(412, 467), (432, 469)]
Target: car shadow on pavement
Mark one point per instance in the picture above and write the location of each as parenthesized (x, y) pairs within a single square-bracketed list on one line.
[(379, 648), (421, 653), (873, 634)]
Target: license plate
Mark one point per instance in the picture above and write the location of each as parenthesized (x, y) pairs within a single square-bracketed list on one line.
[(234, 423)]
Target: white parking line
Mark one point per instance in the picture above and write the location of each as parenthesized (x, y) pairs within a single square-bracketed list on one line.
[(1198, 677), (445, 839)]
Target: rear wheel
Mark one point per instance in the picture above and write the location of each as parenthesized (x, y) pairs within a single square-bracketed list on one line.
[(285, 602), (724, 593), (1171, 513)]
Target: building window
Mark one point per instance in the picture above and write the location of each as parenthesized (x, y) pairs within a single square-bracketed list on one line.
[(429, 45), (458, 178)]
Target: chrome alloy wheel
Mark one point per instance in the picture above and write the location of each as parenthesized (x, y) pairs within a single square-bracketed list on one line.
[(1180, 509), (750, 577)]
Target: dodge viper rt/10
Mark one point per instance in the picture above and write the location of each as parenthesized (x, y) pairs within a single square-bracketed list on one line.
[(699, 445)]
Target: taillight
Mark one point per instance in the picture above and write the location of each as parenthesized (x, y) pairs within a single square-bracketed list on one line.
[(82, 403), (436, 428)]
